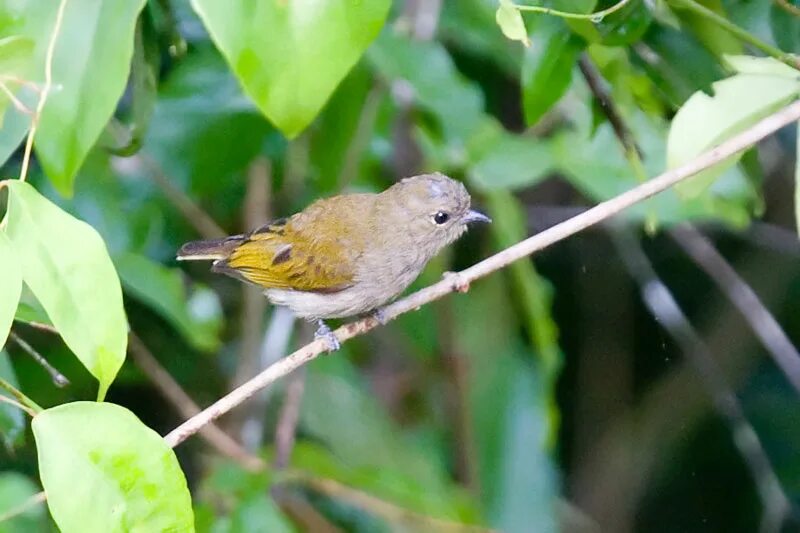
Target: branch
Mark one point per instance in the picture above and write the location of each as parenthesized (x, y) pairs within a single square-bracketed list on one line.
[(59, 379), (599, 213), (48, 85), (744, 298), (663, 306), (181, 401)]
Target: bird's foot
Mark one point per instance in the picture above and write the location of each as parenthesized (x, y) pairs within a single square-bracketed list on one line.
[(456, 282), (324, 332), (380, 316)]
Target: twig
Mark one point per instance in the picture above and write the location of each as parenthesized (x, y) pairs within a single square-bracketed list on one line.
[(595, 82), (18, 405), (48, 84), (788, 7), (386, 510), (181, 401), (31, 406), (287, 421), (194, 215), (518, 251), (744, 298), (662, 304), (22, 108), (59, 379), (736, 31), (597, 16), (33, 501)]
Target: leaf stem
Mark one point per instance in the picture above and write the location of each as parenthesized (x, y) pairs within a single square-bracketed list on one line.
[(48, 84), (28, 405), (597, 16), (736, 31)]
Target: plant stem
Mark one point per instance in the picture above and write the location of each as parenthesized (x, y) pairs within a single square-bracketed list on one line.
[(740, 33), (594, 17), (30, 406)]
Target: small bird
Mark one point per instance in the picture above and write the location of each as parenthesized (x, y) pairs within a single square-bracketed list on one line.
[(349, 254)]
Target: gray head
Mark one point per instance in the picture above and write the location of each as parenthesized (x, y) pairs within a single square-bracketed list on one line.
[(432, 208)]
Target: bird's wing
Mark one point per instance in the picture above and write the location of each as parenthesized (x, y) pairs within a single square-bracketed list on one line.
[(287, 255)]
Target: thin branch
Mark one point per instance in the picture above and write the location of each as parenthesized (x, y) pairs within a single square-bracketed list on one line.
[(788, 7), (741, 34), (599, 213), (22, 108), (31, 502), (386, 510), (287, 421), (194, 214), (18, 395), (744, 298), (662, 304), (595, 82), (181, 401), (597, 16), (59, 379), (48, 85), (18, 405)]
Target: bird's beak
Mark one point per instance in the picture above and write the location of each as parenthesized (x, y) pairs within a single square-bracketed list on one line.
[(474, 216)]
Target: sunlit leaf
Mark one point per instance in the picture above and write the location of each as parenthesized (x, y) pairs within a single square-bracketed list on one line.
[(547, 69), (66, 265), (90, 68), (130, 480), (12, 420), (765, 66), (197, 318), (705, 121), (290, 56), (511, 24), (10, 286), (16, 491)]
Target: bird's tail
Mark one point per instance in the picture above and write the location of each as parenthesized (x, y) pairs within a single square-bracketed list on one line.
[(210, 250)]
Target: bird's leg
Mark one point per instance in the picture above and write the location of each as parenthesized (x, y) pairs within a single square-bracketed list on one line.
[(324, 332), (380, 316)]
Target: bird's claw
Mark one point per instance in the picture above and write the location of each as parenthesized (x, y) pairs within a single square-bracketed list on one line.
[(380, 316), (324, 332), (458, 284)]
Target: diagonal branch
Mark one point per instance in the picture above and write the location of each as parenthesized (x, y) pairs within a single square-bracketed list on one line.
[(461, 280), (766, 328)]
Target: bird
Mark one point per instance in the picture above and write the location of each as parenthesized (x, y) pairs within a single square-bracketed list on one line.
[(345, 255)]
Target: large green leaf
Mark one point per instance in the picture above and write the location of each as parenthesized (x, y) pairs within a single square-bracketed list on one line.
[(104, 471), (12, 419), (705, 121), (511, 162), (10, 286), (90, 68), (66, 265), (291, 54), (198, 318), (16, 491), (548, 65)]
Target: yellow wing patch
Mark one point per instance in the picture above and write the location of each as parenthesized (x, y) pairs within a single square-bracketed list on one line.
[(279, 256)]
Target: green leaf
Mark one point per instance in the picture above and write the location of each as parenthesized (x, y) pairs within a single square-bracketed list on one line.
[(12, 419), (15, 491), (15, 54), (10, 286), (197, 318), (289, 56), (511, 24), (765, 66), (512, 162), (785, 27), (705, 121), (129, 479), (66, 265), (90, 68), (548, 65)]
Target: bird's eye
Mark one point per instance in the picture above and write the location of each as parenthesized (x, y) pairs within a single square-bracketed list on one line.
[(441, 217)]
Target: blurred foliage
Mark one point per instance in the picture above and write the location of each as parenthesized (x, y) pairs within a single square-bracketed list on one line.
[(168, 120)]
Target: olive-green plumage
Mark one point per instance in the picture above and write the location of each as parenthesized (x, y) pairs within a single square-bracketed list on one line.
[(348, 254)]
